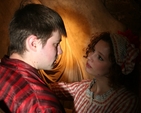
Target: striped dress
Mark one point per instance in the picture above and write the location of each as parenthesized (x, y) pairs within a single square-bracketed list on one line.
[(23, 91), (120, 101)]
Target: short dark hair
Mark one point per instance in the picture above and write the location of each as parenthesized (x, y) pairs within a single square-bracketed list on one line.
[(33, 19)]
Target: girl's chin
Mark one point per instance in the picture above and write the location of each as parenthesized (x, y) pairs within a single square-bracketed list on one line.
[(88, 71)]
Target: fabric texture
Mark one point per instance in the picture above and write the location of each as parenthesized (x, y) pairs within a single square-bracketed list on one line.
[(23, 91), (125, 53), (119, 101)]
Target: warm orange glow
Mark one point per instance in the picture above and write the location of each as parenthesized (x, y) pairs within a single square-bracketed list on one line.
[(81, 19), (71, 65)]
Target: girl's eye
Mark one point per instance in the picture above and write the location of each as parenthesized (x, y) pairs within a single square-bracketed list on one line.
[(100, 58)]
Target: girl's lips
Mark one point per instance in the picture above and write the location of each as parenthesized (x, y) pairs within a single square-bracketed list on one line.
[(87, 65)]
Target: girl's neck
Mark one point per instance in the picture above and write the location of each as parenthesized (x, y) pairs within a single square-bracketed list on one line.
[(100, 87)]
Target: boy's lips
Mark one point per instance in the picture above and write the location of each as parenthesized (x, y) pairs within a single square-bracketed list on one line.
[(55, 62)]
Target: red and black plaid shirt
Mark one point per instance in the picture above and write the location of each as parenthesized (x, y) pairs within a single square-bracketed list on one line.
[(23, 91)]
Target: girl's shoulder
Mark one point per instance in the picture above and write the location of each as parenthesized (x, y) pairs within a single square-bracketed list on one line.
[(125, 94)]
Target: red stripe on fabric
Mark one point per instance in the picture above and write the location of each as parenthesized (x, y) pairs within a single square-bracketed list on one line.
[(121, 98), (26, 104), (20, 96)]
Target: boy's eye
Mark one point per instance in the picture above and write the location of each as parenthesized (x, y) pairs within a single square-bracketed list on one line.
[(56, 44)]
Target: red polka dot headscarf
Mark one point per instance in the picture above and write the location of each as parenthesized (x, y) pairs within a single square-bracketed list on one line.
[(125, 53)]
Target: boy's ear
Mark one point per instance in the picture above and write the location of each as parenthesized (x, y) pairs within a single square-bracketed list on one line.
[(31, 42)]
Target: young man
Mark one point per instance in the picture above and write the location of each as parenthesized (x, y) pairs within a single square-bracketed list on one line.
[(35, 35)]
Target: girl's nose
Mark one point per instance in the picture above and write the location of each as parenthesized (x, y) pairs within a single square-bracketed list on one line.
[(90, 55)]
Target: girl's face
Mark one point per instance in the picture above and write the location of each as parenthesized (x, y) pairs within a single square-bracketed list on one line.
[(98, 61)]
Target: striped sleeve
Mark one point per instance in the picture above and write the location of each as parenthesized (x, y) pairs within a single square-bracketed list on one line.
[(65, 90)]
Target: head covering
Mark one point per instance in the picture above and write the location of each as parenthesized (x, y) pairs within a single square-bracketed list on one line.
[(125, 53)]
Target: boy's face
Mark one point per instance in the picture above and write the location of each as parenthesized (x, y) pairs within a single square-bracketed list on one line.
[(48, 54)]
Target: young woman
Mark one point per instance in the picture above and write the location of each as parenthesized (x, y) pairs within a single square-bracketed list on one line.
[(111, 61)]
